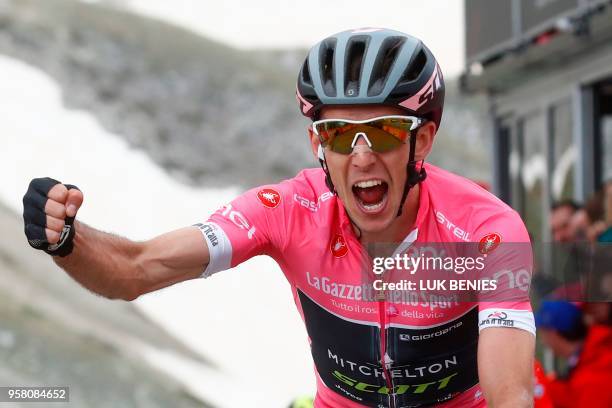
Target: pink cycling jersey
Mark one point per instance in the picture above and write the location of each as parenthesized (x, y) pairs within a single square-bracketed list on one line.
[(370, 350)]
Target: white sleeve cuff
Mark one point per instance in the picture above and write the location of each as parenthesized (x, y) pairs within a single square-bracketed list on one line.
[(219, 248), (519, 319)]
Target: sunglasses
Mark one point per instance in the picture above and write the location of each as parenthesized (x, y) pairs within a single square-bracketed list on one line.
[(382, 134)]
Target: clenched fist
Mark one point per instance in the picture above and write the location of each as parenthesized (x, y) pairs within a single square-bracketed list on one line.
[(49, 209)]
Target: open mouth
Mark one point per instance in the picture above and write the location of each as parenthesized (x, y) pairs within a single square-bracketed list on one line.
[(371, 195)]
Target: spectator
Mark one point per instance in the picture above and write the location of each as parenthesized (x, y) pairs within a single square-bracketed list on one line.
[(595, 210), (589, 356), (578, 225), (598, 282), (587, 223), (560, 216), (568, 223)]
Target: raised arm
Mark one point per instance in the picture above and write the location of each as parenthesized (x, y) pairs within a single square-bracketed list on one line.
[(106, 264), (118, 268)]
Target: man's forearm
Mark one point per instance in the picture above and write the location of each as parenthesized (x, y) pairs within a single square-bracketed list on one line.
[(516, 398), (104, 263)]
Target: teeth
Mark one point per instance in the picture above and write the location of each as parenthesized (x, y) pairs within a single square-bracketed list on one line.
[(368, 183), (372, 207)]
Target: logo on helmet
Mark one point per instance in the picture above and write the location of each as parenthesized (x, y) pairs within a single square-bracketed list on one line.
[(269, 198), (426, 93), (305, 106)]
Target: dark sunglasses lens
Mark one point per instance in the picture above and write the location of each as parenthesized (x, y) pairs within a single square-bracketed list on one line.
[(342, 143), (337, 135), (384, 134), (381, 140)]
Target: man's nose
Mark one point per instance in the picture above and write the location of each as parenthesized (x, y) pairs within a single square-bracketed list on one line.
[(362, 155)]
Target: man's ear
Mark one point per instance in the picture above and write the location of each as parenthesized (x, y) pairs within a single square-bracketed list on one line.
[(425, 137)]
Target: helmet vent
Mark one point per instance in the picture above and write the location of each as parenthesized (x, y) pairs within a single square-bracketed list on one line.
[(415, 68), (327, 67), (354, 58), (384, 62), (306, 73)]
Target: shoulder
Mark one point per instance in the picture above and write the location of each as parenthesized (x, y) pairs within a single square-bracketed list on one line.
[(306, 193), (471, 206), (307, 181), (269, 213), (308, 184)]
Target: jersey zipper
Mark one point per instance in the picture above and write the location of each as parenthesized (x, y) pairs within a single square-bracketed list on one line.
[(384, 358)]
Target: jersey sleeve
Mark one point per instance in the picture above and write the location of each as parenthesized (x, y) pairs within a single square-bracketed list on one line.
[(250, 225), (504, 242)]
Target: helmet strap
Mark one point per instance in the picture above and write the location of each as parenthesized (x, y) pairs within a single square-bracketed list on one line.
[(413, 176), (323, 163)]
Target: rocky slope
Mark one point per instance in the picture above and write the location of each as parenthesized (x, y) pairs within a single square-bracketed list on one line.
[(208, 113), (53, 332)]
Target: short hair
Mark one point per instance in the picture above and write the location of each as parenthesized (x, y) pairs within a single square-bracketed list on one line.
[(567, 202)]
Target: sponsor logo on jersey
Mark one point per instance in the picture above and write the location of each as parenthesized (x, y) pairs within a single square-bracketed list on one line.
[(209, 231), (338, 246), (498, 315), (497, 318), (341, 290), (457, 231), (270, 198), (427, 336), (238, 219), (399, 389), (311, 205), (434, 367), (366, 292), (489, 243)]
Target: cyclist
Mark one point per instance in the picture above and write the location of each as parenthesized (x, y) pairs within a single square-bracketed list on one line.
[(375, 97)]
